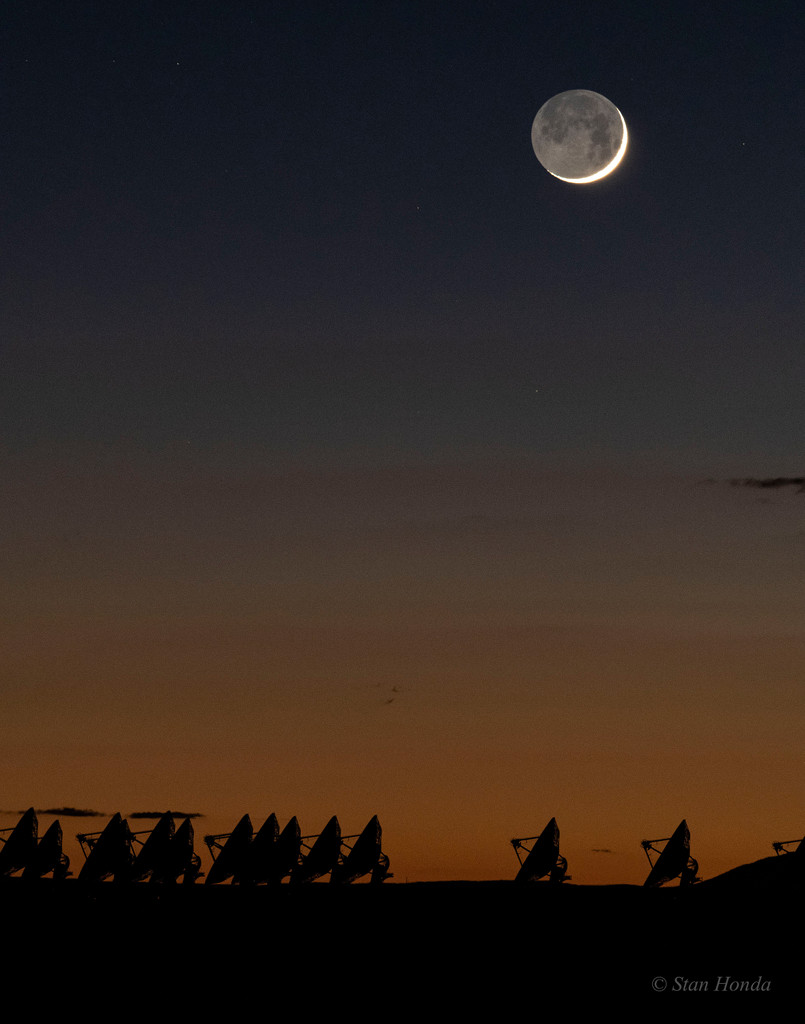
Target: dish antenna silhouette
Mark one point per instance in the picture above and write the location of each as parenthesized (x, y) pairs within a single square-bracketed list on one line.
[(108, 853), (365, 857), (285, 853), (182, 858), (796, 846), (322, 856), (48, 857), (258, 852), (673, 860), (19, 845), (543, 858), (153, 853), (231, 855), (272, 855), (166, 853)]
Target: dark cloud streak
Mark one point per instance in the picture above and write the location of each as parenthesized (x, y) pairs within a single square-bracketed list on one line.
[(771, 482), (71, 812), (158, 814)]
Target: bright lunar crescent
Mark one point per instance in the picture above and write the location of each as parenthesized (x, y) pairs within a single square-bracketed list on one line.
[(579, 136)]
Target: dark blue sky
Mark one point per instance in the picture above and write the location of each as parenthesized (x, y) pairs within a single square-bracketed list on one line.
[(322, 226)]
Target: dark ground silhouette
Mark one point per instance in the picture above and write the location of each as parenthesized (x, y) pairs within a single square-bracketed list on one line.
[(490, 946)]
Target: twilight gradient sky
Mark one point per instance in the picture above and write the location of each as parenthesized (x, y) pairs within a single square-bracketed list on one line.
[(316, 385)]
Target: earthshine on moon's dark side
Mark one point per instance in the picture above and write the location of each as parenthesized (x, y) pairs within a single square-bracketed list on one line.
[(579, 136)]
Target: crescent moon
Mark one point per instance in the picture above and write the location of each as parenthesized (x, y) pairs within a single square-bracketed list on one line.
[(579, 136)]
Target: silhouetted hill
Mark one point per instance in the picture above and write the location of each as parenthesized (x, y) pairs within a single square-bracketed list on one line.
[(456, 946)]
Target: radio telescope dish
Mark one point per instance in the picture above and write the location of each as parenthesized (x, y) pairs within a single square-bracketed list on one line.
[(181, 858), (285, 852), (48, 856), (232, 852), (153, 850), (258, 855), (543, 858), (674, 860), (108, 852), (365, 857), (19, 847), (323, 854)]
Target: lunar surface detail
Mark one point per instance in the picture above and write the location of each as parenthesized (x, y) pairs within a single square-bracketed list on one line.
[(579, 136)]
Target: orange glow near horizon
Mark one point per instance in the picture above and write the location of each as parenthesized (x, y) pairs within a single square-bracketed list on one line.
[(463, 675)]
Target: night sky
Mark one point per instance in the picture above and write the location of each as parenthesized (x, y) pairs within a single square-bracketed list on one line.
[(352, 464)]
